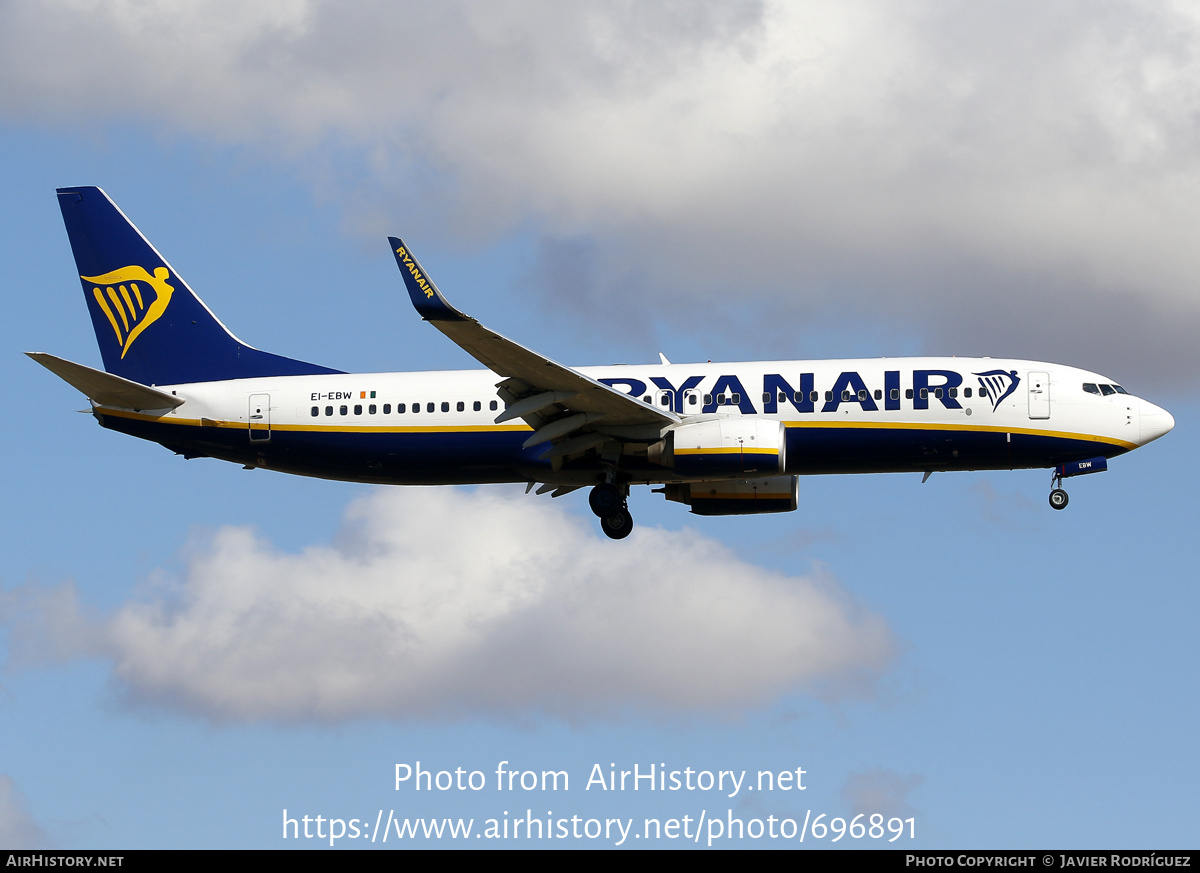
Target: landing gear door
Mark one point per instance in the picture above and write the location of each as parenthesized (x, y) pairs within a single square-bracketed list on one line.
[(1039, 395), (260, 418)]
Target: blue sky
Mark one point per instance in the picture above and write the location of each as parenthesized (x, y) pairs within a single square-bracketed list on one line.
[(184, 653)]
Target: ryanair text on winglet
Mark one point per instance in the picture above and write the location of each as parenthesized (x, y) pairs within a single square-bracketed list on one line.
[(416, 274)]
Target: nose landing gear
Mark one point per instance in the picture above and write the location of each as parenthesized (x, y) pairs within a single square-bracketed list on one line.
[(1058, 497), (607, 501)]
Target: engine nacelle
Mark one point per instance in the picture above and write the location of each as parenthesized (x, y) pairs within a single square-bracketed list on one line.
[(737, 496), (725, 446)]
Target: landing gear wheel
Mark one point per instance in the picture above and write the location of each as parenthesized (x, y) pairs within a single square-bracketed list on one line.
[(618, 525), (605, 500), (1058, 498)]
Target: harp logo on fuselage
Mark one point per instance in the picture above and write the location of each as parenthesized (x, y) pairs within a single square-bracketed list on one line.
[(131, 299), (999, 384)]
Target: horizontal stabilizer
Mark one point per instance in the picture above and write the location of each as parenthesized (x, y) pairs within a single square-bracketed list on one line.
[(106, 388)]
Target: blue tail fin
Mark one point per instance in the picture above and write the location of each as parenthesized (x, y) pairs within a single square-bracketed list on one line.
[(150, 326)]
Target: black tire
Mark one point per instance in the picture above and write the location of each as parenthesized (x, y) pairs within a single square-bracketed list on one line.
[(618, 525), (1058, 498), (605, 500)]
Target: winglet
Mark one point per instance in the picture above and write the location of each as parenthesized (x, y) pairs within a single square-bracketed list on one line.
[(426, 298)]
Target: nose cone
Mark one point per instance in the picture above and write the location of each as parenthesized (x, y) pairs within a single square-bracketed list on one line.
[(1155, 421)]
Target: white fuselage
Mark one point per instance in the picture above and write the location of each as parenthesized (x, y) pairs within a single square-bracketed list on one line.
[(854, 415)]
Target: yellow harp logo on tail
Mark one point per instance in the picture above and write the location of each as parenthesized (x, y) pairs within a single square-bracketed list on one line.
[(121, 299)]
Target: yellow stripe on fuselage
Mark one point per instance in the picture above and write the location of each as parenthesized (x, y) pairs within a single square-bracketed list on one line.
[(735, 450), (314, 428), (500, 428)]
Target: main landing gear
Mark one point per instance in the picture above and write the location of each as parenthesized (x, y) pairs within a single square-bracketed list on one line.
[(1058, 497), (607, 501)]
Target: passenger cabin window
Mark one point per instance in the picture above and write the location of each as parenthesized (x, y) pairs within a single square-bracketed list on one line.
[(358, 409), (862, 394), (343, 410), (966, 392), (460, 407), (400, 408), (691, 399), (477, 406), (878, 394), (445, 406), (894, 394), (371, 409), (329, 410), (828, 396), (925, 393), (387, 409), (429, 407), (492, 406), (316, 410), (814, 396), (416, 407), (908, 394)]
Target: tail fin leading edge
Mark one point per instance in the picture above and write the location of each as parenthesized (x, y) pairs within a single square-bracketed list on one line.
[(149, 324)]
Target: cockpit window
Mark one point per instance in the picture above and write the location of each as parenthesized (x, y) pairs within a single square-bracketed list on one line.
[(1106, 390), (1119, 389), (1091, 388)]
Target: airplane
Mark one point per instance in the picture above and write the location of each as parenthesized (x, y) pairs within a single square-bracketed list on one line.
[(721, 438)]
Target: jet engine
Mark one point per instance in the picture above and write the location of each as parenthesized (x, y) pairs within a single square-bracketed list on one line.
[(725, 446), (737, 496)]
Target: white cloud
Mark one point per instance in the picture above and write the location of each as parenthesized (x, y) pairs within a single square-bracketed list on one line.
[(985, 173), (18, 829), (440, 602)]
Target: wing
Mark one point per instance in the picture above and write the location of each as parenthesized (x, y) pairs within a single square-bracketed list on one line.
[(559, 402)]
